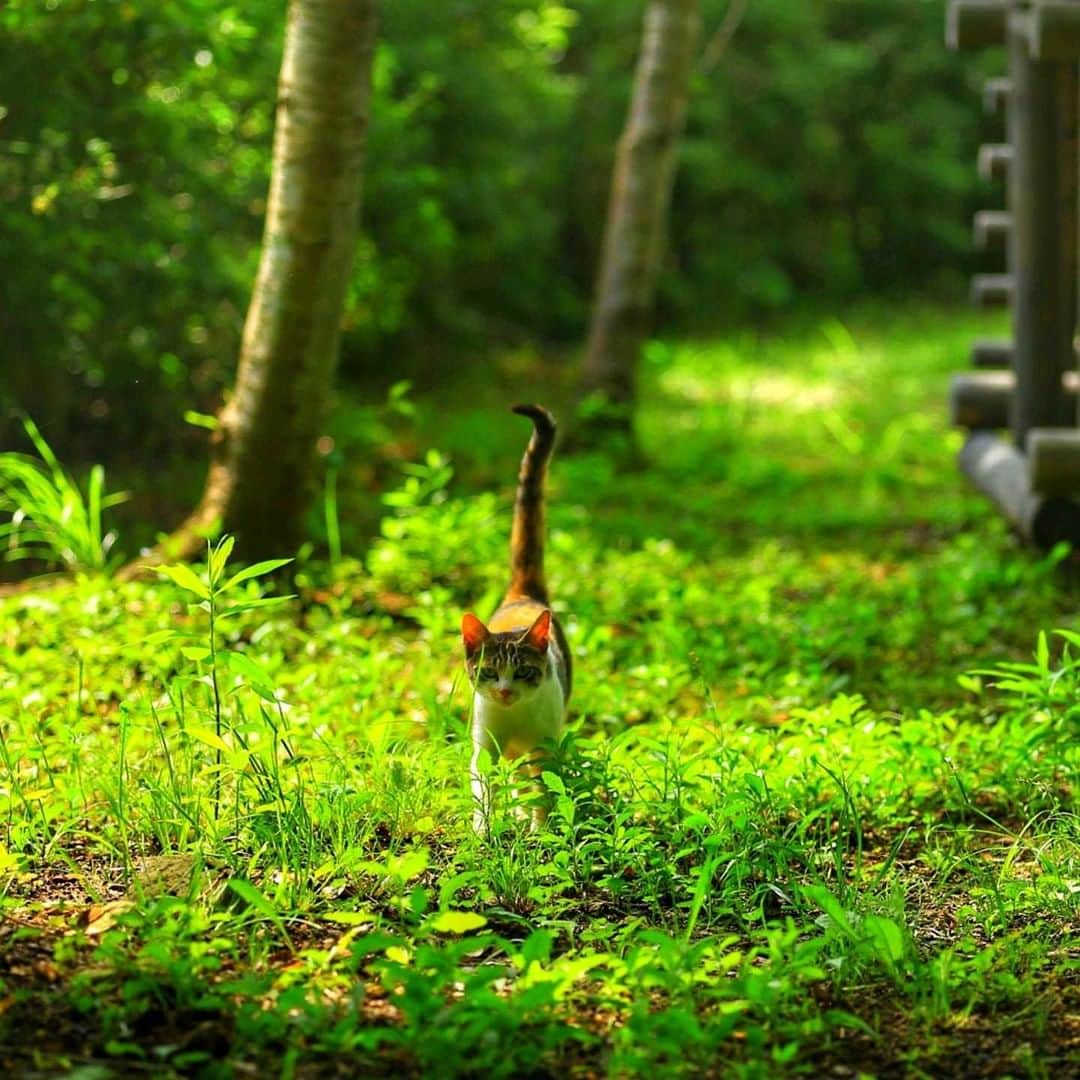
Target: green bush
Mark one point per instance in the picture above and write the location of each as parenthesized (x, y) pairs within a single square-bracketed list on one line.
[(829, 153)]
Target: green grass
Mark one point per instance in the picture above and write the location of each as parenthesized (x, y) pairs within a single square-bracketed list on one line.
[(814, 816), (46, 516)]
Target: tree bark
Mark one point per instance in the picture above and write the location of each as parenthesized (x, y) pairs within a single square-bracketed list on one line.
[(638, 208), (263, 452)]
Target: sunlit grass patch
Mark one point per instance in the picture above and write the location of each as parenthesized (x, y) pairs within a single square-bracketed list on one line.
[(815, 808)]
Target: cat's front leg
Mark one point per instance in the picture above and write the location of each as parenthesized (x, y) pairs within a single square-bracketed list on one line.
[(481, 793), (480, 780), (532, 798)]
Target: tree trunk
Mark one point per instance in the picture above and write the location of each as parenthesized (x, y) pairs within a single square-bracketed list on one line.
[(637, 212), (263, 452)]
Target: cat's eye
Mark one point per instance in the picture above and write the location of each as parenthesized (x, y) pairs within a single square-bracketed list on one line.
[(488, 674), (527, 673)]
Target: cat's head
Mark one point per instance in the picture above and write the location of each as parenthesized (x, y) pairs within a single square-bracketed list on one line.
[(510, 667)]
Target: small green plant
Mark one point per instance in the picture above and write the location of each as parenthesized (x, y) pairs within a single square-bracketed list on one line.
[(1047, 691), (220, 597), (47, 515)]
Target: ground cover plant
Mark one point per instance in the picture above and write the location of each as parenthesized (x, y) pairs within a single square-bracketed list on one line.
[(814, 815)]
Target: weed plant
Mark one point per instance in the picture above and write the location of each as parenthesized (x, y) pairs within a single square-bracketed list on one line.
[(45, 516)]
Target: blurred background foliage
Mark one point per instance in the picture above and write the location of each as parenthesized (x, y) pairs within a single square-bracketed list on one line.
[(829, 154)]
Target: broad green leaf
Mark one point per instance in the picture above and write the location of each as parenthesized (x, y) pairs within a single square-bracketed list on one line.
[(253, 605), (831, 906), (253, 898), (255, 570), (197, 653), (886, 937), (219, 556), (258, 902), (409, 864), (186, 578), (403, 867), (735, 1005), (536, 948), (349, 918), (456, 922), (210, 738), (846, 1019), (573, 968), (267, 693), (248, 669), (8, 863), (553, 782), (198, 419), (1042, 652)]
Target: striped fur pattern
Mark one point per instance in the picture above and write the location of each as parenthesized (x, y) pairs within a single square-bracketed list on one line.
[(518, 662), (527, 531)]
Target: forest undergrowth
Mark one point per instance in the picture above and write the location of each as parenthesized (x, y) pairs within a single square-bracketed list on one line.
[(815, 813)]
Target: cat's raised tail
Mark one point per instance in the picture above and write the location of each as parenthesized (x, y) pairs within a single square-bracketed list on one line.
[(527, 534)]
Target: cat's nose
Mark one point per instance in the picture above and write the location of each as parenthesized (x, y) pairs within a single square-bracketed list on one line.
[(505, 693)]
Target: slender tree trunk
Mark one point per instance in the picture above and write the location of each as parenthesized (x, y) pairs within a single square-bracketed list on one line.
[(263, 452), (638, 208)]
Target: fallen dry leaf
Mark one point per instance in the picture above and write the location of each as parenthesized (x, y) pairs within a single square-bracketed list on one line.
[(102, 917)]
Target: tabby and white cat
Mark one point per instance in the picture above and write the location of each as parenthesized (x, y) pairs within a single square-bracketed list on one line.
[(519, 663)]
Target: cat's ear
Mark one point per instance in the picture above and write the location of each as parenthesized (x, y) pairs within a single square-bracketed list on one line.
[(473, 632), (540, 631)]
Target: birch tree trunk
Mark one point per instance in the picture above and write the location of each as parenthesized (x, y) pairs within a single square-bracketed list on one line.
[(263, 452), (641, 185)]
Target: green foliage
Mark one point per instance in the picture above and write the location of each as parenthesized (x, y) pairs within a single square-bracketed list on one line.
[(46, 516), (828, 153), (221, 597), (816, 803), (134, 191)]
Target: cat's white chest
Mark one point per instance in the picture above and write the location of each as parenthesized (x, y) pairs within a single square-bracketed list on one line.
[(512, 731)]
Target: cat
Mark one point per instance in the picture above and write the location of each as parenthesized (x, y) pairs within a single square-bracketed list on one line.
[(519, 662)]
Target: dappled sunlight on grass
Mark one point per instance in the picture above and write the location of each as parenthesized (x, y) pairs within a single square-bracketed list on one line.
[(815, 804), (838, 427)]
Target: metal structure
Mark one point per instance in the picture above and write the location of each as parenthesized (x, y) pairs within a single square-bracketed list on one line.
[(1028, 385)]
